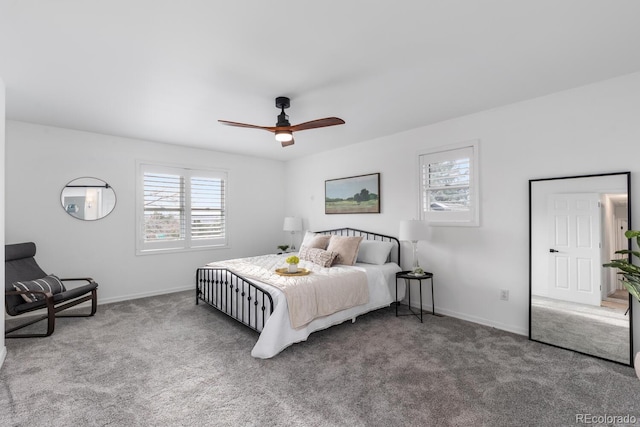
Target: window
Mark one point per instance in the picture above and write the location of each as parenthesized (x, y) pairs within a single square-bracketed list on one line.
[(180, 208), (449, 185)]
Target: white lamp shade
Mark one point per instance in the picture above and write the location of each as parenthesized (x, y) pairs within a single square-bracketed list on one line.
[(292, 223), (412, 230)]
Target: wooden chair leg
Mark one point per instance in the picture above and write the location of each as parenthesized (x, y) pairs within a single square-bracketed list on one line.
[(94, 301), (52, 314), (94, 305), (51, 324)]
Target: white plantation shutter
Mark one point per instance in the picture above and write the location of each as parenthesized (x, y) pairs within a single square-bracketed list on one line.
[(449, 186), (163, 207), (207, 208), (180, 208)]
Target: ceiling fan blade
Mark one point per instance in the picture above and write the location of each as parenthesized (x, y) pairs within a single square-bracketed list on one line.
[(288, 143), (320, 123), (245, 125)]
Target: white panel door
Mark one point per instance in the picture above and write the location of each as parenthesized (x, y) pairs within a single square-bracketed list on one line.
[(574, 249)]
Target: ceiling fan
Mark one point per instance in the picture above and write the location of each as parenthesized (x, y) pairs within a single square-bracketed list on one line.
[(283, 129)]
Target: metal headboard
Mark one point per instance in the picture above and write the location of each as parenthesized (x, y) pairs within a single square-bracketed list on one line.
[(394, 255)]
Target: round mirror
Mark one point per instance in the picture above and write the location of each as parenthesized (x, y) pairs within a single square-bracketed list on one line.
[(88, 198)]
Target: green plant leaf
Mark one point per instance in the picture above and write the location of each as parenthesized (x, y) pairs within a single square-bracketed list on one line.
[(627, 251), (630, 234), (629, 272)]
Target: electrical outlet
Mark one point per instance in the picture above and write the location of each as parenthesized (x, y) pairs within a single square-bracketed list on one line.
[(504, 294)]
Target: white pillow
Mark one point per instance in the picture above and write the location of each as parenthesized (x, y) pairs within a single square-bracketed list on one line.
[(316, 240), (374, 252)]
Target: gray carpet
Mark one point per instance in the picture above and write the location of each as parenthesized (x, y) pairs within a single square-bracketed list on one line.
[(600, 331), (164, 361)]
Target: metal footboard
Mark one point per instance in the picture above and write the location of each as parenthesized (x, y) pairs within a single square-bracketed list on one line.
[(234, 295)]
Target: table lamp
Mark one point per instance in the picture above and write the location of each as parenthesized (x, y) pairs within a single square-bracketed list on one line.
[(413, 231), (292, 224)]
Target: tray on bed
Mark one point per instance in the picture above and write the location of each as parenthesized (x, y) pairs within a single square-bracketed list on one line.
[(285, 272)]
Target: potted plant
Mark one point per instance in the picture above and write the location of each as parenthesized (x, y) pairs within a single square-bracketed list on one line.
[(283, 248), (293, 263), (630, 274)]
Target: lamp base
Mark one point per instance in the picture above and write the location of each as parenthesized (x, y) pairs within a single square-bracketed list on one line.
[(416, 270)]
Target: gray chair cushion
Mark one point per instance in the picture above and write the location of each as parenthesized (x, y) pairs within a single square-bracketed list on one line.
[(19, 251), (63, 296), (19, 266)]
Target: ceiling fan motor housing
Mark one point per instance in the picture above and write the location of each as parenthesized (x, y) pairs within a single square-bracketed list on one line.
[(283, 102)]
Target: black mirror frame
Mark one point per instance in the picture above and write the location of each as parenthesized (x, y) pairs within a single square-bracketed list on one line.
[(628, 178), (105, 185)]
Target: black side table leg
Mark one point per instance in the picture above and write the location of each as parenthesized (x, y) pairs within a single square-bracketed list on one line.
[(421, 311), (397, 297), (433, 301), (407, 289)]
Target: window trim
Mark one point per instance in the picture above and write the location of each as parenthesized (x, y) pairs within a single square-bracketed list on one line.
[(186, 244), (469, 218)]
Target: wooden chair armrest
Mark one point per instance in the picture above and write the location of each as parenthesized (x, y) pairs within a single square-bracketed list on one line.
[(71, 279)]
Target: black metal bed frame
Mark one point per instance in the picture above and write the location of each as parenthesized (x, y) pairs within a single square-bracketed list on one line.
[(247, 302)]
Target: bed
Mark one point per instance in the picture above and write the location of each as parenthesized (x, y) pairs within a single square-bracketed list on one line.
[(264, 308)]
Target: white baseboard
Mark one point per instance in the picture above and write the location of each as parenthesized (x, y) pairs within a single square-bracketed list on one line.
[(102, 301), (475, 319), (450, 313), (146, 294)]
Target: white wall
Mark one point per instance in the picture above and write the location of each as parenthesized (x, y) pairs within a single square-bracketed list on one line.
[(41, 160), (592, 129)]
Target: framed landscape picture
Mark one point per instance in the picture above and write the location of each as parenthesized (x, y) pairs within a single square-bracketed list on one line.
[(352, 195)]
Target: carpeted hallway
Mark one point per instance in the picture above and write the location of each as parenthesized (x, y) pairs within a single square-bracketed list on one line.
[(163, 361)]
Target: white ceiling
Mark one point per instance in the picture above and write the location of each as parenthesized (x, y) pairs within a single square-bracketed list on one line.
[(167, 70)]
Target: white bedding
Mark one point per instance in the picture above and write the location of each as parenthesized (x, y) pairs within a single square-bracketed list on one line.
[(277, 333), (321, 293)]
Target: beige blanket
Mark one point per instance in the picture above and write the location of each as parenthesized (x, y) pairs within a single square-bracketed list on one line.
[(321, 293)]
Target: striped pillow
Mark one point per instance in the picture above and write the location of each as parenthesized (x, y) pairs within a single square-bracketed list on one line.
[(50, 283), (317, 256)]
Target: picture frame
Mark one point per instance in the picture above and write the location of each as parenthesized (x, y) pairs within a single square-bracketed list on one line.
[(352, 195)]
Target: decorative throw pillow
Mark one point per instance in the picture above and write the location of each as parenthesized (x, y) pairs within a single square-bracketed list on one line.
[(346, 247), (318, 256), (315, 240), (50, 283), (374, 252)]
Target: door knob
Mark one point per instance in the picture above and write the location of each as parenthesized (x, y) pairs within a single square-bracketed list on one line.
[(553, 250)]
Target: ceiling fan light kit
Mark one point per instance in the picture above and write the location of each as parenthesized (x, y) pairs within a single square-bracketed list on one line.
[(283, 130), (284, 136)]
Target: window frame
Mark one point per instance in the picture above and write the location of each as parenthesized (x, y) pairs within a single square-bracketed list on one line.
[(186, 243), (469, 218)]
